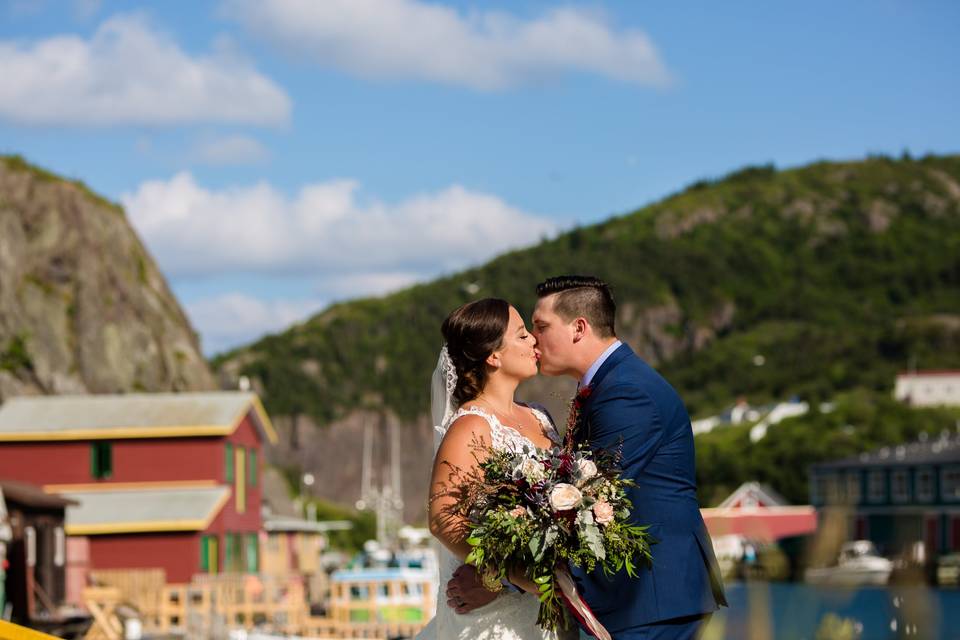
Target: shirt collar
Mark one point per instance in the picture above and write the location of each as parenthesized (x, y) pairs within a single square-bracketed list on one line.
[(592, 371)]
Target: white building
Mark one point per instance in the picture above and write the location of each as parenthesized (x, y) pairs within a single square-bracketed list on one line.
[(765, 416), (928, 388)]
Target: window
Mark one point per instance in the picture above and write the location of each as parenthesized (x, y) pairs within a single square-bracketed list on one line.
[(101, 460), (950, 484), (232, 551), (853, 487), (876, 486), (229, 463), (834, 489), (925, 485), (900, 485), (252, 555), (818, 489), (252, 468), (240, 484)]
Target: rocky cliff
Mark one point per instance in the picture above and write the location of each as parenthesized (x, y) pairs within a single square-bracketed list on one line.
[(83, 307)]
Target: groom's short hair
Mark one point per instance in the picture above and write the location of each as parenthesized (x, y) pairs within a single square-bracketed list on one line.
[(582, 297)]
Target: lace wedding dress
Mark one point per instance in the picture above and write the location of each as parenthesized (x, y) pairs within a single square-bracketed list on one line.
[(513, 615)]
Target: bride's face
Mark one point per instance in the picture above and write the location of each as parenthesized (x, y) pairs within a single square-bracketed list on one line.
[(517, 355)]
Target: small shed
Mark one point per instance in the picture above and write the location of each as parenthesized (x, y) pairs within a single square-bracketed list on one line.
[(35, 584)]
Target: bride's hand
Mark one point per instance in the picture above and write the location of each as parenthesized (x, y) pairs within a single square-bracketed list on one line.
[(465, 592)]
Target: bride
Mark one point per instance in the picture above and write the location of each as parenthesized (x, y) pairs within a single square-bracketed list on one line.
[(488, 352)]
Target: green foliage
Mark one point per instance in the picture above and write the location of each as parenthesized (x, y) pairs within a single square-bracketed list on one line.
[(834, 290), (838, 274), (15, 356), (351, 540), (860, 420)]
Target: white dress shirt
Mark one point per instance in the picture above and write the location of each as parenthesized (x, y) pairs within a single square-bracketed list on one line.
[(592, 371)]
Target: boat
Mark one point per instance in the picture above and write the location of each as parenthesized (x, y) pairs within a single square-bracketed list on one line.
[(858, 564)]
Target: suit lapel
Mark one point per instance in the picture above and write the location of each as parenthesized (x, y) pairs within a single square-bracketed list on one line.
[(619, 355)]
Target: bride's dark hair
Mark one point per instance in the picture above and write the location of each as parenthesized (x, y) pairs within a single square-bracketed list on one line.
[(473, 332)]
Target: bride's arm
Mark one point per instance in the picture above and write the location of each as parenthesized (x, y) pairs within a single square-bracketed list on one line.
[(456, 457)]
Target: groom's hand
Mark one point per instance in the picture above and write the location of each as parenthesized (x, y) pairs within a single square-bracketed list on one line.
[(465, 592)]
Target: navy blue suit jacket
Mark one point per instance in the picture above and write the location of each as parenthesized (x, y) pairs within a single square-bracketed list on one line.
[(632, 403)]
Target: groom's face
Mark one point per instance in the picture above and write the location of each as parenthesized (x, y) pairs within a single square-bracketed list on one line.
[(555, 338)]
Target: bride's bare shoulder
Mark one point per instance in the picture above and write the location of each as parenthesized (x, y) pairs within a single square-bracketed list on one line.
[(468, 424)]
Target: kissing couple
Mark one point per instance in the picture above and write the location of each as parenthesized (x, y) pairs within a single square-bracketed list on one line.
[(488, 353)]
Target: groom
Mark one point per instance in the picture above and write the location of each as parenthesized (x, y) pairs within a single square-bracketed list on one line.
[(631, 406)]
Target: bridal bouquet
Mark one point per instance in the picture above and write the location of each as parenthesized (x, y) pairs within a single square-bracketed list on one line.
[(538, 510)]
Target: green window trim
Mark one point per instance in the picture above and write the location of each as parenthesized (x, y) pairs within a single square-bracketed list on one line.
[(229, 461), (209, 557), (252, 468), (252, 554), (101, 460)]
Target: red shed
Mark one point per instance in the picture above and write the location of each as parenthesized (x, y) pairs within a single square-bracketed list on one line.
[(168, 480)]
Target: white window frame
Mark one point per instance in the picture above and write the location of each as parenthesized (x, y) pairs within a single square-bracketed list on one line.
[(928, 495), (896, 477), (954, 495), (872, 476)]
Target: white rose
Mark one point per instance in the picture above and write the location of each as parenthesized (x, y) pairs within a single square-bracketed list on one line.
[(531, 470), (587, 470), (565, 496)]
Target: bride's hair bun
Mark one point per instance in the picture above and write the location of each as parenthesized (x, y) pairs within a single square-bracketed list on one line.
[(472, 333)]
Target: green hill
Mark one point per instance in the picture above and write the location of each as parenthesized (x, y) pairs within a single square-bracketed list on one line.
[(838, 274)]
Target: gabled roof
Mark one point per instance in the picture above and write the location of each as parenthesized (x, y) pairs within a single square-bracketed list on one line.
[(143, 415), (161, 507), (754, 494)]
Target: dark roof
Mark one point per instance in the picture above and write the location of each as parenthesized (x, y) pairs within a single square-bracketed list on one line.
[(30, 495), (941, 449)]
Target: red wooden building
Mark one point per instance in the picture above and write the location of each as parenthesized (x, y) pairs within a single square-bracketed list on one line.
[(168, 480)]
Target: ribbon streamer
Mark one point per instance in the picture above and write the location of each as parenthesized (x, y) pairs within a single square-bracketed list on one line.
[(579, 608)]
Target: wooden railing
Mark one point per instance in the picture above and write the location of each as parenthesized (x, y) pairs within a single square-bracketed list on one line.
[(211, 605)]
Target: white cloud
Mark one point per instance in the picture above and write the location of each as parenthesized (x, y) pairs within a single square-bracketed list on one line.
[(127, 73), (231, 319), (324, 230), (484, 50), (230, 150)]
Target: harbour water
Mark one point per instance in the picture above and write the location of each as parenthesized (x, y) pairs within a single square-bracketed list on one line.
[(795, 611)]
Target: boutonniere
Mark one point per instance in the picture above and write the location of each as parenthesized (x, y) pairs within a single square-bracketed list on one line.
[(573, 417)]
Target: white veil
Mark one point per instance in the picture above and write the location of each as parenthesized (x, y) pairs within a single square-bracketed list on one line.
[(442, 406)]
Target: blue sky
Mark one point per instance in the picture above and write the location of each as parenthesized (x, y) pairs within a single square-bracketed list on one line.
[(276, 155)]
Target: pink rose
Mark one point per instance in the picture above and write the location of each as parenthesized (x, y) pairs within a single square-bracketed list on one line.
[(603, 512), (518, 512)]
